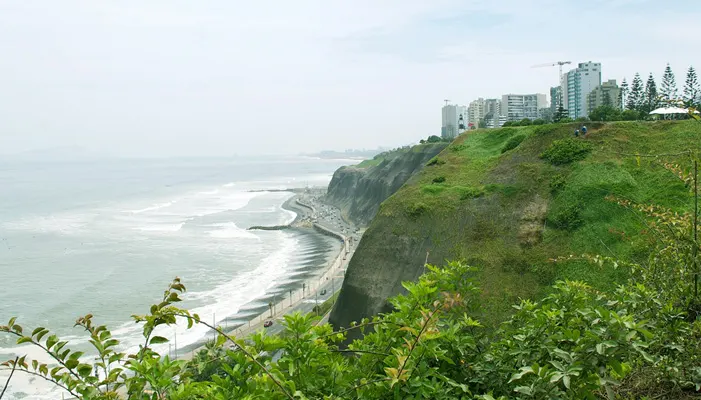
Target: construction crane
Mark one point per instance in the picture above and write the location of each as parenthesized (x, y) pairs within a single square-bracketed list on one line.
[(558, 63)]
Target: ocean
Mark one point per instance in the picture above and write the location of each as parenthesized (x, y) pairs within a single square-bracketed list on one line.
[(107, 237)]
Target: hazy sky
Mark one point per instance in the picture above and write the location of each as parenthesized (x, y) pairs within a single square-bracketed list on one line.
[(221, 77)]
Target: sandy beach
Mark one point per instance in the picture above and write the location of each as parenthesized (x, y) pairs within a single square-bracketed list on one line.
[(311, 214)]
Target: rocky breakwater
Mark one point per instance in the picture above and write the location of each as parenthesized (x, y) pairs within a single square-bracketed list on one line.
[(314, 213), (359, 190)]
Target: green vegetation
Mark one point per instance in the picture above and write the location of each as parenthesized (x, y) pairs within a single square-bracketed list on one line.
[(435, 161), (513, 143), (641, 339), (324, 307), (493, 204), (581, 284), (389, 155), (370, 163), (566, 151)]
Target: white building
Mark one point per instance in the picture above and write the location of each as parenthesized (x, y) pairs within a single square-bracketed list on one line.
[(493, 116), (496, 122), (576, 85), (476, 113), (516, 107), (454, 120)]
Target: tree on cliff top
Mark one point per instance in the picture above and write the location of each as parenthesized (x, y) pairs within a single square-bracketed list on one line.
[(668, 89), (691, 89)]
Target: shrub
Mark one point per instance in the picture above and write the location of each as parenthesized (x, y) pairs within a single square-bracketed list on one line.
[(439, 179), (565, 120), (468, 192), (630, 115), (568, 218), (458, 148), (557, 182), (435, 161), (566, 151), (538, 121), (513, 143), (514, 261), (433, 189), (508, 123), (525, 122), (434, 139), (544, 130), (582, 119), (416, 210)]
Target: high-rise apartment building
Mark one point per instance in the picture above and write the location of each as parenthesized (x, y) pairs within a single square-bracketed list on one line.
[(555, 97), (606, 94), (516, 107), (576, 85), (476, 112), (492, 113), (454, 120)]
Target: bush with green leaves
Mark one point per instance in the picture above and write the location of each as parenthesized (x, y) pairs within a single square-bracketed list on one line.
[(513, 143), (525, 122), (539, 121), (568, 218), (641, 340), (416, 210), (435, 161), (565, 151), (468, 192), (557, 182), (545, 129)]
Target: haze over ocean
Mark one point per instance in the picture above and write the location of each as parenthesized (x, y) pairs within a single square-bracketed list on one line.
[(107, 237)]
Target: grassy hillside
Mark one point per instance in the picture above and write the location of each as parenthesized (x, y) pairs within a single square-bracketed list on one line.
[(509, 212)]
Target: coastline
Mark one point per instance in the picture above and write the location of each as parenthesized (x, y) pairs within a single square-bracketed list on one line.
[(294, 296)]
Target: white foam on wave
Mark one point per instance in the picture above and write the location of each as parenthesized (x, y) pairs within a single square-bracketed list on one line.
[(65, 224), (229, 230), (227, 299), (161, 228), (154, 207), (289, 216)]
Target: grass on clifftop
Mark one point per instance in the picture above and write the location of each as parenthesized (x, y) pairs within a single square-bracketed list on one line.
[(392, 154), (497, 199)]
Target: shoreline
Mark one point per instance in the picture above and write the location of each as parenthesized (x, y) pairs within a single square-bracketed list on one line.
[(291, 296)]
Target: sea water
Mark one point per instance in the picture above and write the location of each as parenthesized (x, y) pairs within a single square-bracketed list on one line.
[(106, 237)]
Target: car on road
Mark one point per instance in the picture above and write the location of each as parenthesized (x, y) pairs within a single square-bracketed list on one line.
[(323, 292), (268, 323)]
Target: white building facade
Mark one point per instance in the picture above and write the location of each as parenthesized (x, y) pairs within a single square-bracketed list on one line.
[(576, 86), (516, 107), (454, 120), (476, 113)]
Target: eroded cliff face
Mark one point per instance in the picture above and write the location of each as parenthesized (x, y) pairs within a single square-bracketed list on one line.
[(358, 192), (505, 212)]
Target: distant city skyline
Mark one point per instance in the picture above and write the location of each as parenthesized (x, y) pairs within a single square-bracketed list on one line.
[(165, 78)]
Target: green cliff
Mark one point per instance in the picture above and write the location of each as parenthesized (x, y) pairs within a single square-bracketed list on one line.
[(359, 190), (510, 200)]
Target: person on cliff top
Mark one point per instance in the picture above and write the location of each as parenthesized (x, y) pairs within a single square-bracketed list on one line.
[(584, 130), (576, 133)]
